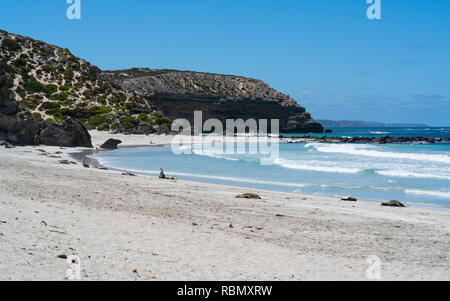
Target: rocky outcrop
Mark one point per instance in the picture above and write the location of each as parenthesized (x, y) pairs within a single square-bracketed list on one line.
[(69, 133), (179, 93), (18, 126)]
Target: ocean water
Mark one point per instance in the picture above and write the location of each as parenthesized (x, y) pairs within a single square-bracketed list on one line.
[(417, 174), (433, 132)]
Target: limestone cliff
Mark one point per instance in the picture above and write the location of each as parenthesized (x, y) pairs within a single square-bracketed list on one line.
[(179, 93)]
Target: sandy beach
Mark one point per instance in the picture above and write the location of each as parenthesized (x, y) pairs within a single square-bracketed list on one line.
[(143, 228)]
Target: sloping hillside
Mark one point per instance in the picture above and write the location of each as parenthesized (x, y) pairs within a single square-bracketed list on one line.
[(53, 84)]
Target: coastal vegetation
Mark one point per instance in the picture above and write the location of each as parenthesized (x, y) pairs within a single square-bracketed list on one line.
[(53, 85)]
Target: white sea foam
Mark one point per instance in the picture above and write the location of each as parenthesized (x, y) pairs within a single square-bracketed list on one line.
[(296, 165), (439, 194), (408, 174), (364, 150), (379, 133)]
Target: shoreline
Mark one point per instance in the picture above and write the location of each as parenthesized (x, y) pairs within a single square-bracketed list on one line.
[(131, 141), (183, 230), (192, 178)]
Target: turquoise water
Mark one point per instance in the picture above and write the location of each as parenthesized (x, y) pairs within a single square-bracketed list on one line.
[(412, 173)]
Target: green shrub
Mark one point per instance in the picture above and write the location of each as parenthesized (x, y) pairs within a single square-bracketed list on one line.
[(68, 112), (33, 86), (50, 89), (60, 96), (128, 122), (20, 62), (48, 69), (165, 127), (48, 105), (96, 121), (58, 116), (65, 88), (11, 44), (102, 100), (97, 110), (129, 105), (24, 71), (160, 120), (144, 117)]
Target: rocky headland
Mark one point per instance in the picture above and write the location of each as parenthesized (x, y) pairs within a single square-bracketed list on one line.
[(52, 86), (179, 93)]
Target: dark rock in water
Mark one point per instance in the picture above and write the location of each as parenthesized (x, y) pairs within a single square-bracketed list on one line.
[(328, 131), (248, 196), (393, 204), (357, 139), (161, 174), (349, 199), (111, 144)]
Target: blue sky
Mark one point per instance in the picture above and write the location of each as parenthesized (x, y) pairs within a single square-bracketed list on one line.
[(325, 53)]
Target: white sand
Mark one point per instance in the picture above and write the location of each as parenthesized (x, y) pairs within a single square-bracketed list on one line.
[(180, 230)]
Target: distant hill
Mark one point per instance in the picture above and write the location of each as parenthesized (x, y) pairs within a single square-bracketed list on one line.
[(347, 123)]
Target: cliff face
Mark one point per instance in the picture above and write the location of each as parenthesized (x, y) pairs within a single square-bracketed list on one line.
[(179, 93)]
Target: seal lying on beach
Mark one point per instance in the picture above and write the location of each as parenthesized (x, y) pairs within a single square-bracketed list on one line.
[(248, 196), (393, 204)]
